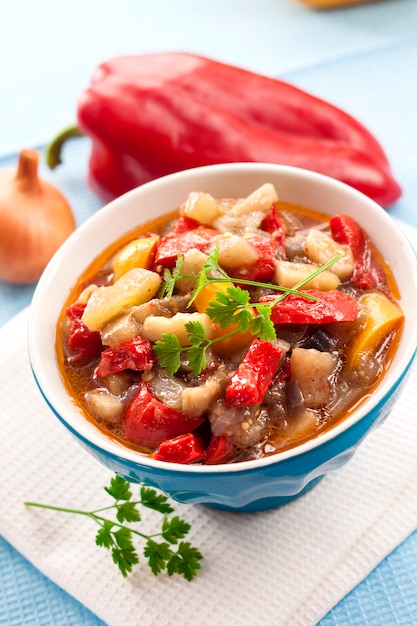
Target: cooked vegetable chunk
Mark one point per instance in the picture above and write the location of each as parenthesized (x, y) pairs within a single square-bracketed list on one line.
[(383, 316), (105, 303)]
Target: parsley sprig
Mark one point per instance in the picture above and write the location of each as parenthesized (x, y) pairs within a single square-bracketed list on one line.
[(231, 308), (163, 550)]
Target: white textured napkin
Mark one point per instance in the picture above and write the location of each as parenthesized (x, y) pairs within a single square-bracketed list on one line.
[(285, 566)]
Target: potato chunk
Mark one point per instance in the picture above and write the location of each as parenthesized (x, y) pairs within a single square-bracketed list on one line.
[(155, 326), (106, 303), (193, 263), (313, 371), (234, 251), (201, 207), (289, 274), (246, 213), (197, 400), (259, 200), (321, 248)]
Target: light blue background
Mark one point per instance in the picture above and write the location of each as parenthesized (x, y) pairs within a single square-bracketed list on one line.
[(362, 58)]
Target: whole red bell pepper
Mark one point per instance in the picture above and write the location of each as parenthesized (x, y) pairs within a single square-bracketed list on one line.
[(367, 270), (326, 308), (154, 114)]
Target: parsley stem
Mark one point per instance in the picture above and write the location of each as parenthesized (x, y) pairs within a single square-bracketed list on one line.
[(57, 508), (254, 283), (91, 514)]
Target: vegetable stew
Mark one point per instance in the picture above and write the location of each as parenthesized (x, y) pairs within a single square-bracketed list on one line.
[(230, 330)]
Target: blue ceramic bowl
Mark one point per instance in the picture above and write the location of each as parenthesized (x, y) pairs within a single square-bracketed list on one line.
[(251, 485)]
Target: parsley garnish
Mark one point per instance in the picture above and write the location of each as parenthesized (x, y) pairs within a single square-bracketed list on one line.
[(229, 309), (116, 536)]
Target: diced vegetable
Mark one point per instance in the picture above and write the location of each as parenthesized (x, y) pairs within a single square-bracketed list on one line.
[(136, 354), (321, 248), (383, 317), (263, 268), (313, 370), (186, 448), (259, 200), (138, 253), (220, 450), (83, 343), (105, 303), (234, 251), (328, 307), (104, 406), (273, 224), (148, 421), (193, 263), (197, 400), (122, 329), (179, 243), (155, 326), (367, 271), (289, 274), (201, 207), (254, 374)]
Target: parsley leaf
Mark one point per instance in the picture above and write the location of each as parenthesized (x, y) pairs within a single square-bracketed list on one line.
[(154, 500), (168, 352), (119, 489), (231, 307), (170, 278), (185, 561), (117, 537), (174, 529), (158, 554), (261, 325)]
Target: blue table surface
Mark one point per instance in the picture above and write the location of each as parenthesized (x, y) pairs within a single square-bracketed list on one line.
[(362, 58)]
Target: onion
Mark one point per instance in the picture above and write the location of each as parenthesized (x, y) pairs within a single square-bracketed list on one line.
[(35, 220)]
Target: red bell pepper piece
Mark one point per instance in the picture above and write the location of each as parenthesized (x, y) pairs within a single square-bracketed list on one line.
[(148, 421), (182, 225), (254, 374), (186, 448), (367, 271), (273, 224), (329, 307), (84, 344), (155, 114), (220, 450), (171, 245), (136, 354), (264, 267)]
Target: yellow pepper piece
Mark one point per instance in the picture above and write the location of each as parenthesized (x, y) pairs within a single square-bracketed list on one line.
[(137, 253), (231, 344), (384, 316), (105, 303)]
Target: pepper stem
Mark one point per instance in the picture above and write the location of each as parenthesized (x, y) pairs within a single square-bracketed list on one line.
[(53, 150)]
